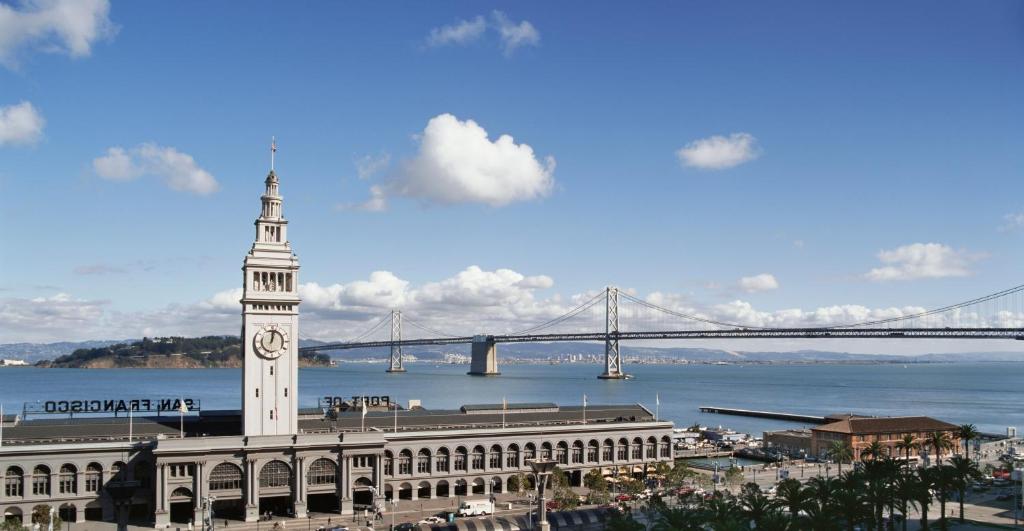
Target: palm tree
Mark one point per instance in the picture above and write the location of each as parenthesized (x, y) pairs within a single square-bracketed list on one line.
[(849, 499), (939, 441), (682, 518), (965, 433), (840, 451), (903, 491), (755, 504), (964, 471), (907, 444), (875, 450), (921, 493), (823, 489), (793, 496)]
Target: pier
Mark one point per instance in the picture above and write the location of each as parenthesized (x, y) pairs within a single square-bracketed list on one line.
[(796, 417)]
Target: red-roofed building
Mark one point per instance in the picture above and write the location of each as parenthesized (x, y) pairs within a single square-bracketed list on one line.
[(860, 432)]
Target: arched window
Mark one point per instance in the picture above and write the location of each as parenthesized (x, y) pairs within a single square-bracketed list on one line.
[(477, 462), (529, 452), (592, 447), (649, 447), (494, 457), (14, 481), (623, 450), (562, 453), (512, 456), (405, 462), (577, 452), (322, 472), (606, 450), (461, 458), (67, 482), (41, 481), (545, 450), (275, 474), (389, 464), (423, 461), (442, 460), (117, 471), (93, 477), (226, 476), (666, 447), (638, 448)]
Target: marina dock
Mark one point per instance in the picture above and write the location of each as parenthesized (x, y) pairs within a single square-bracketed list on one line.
[(796, 417)]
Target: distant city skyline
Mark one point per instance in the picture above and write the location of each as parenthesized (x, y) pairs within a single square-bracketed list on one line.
[(490, 165)]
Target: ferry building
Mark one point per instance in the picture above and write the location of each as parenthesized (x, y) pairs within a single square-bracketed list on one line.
[(160, 470)]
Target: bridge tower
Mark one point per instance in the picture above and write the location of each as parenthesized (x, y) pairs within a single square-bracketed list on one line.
[(397, 364), (612, 357)]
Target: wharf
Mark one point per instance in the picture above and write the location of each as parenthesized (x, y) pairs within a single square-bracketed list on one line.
[(797, 417)]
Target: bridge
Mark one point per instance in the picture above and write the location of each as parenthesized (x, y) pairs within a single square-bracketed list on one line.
[(998, 315)]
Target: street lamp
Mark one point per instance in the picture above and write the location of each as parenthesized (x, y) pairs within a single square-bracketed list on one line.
[(542, 468)]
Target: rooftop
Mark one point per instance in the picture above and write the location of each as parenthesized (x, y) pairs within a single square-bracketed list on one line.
[(228, 422), (885, 425)]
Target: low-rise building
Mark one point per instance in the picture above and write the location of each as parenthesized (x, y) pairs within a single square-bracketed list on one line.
[(859, 432), (793, 442)]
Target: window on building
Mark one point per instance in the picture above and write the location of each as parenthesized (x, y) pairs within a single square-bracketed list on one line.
[(389, 464), (592, 449), (529, 452), (322, 472), (14, 481), (275, 474), (606, 451), (93, 477), (423, 461), (637, 449), (477, 463), (225, 476), (666, 447), (622, 449), (460, 458), (545, 451), (577, 452), (562, 453), (494, 457), (442, 460), (67, 482), (649, 448), (512, 457), (41, 481), (405, 462)]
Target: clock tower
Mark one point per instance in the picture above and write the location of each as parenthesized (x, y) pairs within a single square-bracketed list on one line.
[(270, 323)]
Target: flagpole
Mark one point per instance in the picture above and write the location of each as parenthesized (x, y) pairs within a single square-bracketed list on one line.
[(1, 425), (657, 406), (396, 417), (130, 425), (504, 406), (584, 409)]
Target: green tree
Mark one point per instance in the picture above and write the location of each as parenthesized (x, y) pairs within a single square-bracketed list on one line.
[(793, 496), (966, 433), (679, 519), (11, 525), (907, 444), (943, 483), (520, 484), (622, 522), (594, 480), (840, 452), (964, 471), (41, 516), (938, 441), (733, 477), (755, 504), (875, 450)]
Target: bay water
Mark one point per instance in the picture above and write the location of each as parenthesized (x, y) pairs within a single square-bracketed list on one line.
[(989, 395)]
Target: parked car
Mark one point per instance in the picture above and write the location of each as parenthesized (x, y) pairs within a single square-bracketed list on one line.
[(475, 508), (623, 498), (1004, 496), (407, 526)]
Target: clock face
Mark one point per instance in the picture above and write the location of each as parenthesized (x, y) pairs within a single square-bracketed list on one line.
[(270, 342)]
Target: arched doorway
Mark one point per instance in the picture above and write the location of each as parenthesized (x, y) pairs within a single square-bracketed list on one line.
[(322, 481), (13, 514), (405, 491), (181, 505), (361, 493), (275, 488), (389, 492), (496, 485), (442, 489), (68, 513), (94, 512), (478, 486), (460, 487), (423, 492)]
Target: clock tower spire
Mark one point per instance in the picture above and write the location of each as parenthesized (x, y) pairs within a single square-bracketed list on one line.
[(270, 322)]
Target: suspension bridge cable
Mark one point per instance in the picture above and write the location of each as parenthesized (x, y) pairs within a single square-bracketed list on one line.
[(687, 316), (426, 329), (562, 318), (373, 329), (951, 307)]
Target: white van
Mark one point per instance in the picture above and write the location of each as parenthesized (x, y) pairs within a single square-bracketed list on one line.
[(475, 508)]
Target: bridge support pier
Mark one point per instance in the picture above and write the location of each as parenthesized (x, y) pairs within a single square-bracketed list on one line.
[(485, 357), (612, 356), (396, 363)]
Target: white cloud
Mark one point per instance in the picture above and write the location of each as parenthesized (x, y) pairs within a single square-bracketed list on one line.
[(178, 170), (719, 152), (1012, 221), (762, 282), (922, 260), (63, 26), (116, 165), (20, 123), (515, 35), (370, 165), (462, 32), (458, 163)]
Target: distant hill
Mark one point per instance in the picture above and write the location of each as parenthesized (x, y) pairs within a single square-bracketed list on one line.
[(168, 352), (33, 352)]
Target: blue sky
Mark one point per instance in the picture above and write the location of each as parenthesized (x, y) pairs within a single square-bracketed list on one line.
[(846, 132)]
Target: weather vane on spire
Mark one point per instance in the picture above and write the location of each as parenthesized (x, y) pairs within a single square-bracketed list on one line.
[(273, 149)]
